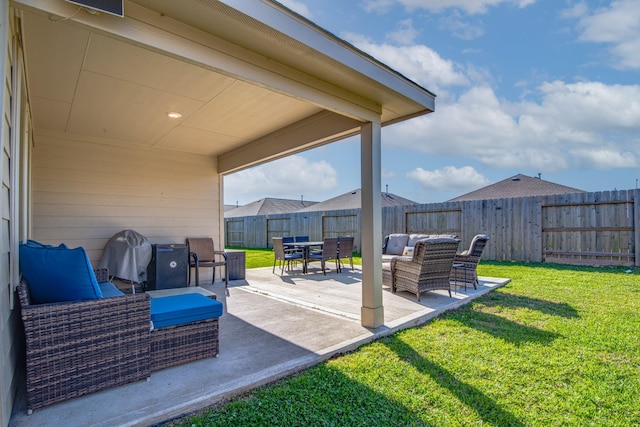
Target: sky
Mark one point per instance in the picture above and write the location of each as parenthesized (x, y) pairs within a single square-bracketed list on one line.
[(547, 88)]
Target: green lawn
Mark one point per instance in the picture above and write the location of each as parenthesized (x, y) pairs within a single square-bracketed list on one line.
[(558, 346)]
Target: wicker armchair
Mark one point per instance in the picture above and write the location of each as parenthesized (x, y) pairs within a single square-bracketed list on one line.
[(80, 347), (429, 268), (466, 263)]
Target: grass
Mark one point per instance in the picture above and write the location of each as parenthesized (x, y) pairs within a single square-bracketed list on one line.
[(558, 346), (256, 258)]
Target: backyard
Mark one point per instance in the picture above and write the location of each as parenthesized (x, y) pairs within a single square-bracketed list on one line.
[(558, 345)]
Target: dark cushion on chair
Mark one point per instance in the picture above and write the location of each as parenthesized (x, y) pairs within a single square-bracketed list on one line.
[(57, 273), (180, 309)]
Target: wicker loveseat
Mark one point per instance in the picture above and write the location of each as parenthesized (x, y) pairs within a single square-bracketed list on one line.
[(75, 348), (402, 244), (427, 269), (83, 335)]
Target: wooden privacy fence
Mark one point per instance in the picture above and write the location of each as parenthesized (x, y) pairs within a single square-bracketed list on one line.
[(600, 228)]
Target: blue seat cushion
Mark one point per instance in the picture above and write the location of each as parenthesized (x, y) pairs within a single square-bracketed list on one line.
[(57, 273), (108, 289), (180, 309)]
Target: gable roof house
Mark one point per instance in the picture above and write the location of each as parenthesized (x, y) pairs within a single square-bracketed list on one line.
[(517, 186), (352, 200), (268, 206), (132, 122)]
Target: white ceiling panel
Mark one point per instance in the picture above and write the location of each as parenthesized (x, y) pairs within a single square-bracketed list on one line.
[(197, 141), (134, 64), (54, 58), (48, 114), (115, 109), (248, 111)]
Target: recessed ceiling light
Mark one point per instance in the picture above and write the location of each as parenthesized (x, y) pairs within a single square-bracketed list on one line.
[(174, 114)]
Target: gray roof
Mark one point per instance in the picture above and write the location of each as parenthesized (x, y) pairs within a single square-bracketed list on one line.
[(353, 200), (517, 186), (268, 206)]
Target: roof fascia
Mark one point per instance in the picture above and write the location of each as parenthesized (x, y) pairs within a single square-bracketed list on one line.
[(305, 31)]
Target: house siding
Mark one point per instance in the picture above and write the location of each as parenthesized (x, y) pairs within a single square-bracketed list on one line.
[(84, 192), (13, 110)]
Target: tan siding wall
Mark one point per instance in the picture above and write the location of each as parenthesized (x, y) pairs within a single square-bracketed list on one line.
[(85, 192), (11, 351)]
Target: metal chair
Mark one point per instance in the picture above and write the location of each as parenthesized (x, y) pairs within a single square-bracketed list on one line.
[(203, 254)]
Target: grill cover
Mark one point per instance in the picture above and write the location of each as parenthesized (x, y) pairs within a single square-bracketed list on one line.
[(127, 255)]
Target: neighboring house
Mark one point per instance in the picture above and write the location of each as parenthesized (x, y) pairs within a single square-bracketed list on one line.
[(112, 123), (268, 206), (353, 200), (517, 186)]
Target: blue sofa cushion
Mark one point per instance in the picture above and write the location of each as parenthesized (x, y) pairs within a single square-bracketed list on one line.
[(57, 273), (180, 309), (108, 289)]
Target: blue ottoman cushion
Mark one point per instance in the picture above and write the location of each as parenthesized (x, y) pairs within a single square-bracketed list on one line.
[(181, 309), (57, 273)]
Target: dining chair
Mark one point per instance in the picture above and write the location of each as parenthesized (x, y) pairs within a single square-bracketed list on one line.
[(329, 252), (345, 249), (285, 256), (202, 253)]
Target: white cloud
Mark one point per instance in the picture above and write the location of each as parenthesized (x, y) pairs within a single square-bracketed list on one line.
[(282, 178), (418, 62), (606, 158), (459, 28), (471, 7), (617, 26), (449, 178), (405, 35), (298, 7), (584, 125), (378, 6)]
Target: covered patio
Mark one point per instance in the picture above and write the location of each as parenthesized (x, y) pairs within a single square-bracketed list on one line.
[(131, 122), (272, 327)]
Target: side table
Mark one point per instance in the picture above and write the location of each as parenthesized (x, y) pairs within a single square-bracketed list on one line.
[(236, 264)]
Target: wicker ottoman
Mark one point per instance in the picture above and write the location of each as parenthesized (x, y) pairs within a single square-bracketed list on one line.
[(183, 340)]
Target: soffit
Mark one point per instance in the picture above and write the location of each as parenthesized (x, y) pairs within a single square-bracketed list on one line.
[(91, 82), (88, 84)]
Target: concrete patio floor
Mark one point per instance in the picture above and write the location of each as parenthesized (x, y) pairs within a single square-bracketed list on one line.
[(273, 326)]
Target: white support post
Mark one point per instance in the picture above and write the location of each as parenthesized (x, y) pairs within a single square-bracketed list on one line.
[(372, 311)]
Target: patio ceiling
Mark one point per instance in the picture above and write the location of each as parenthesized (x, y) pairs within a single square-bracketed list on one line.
[(248, 92)]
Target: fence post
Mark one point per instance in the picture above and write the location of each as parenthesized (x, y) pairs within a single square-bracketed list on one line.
[(636, 226)]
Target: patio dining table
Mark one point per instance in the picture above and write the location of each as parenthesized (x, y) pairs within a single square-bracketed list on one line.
[(306, 248)]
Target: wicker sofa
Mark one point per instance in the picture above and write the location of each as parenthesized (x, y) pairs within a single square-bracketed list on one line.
[(83, 335), (402, 244)]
